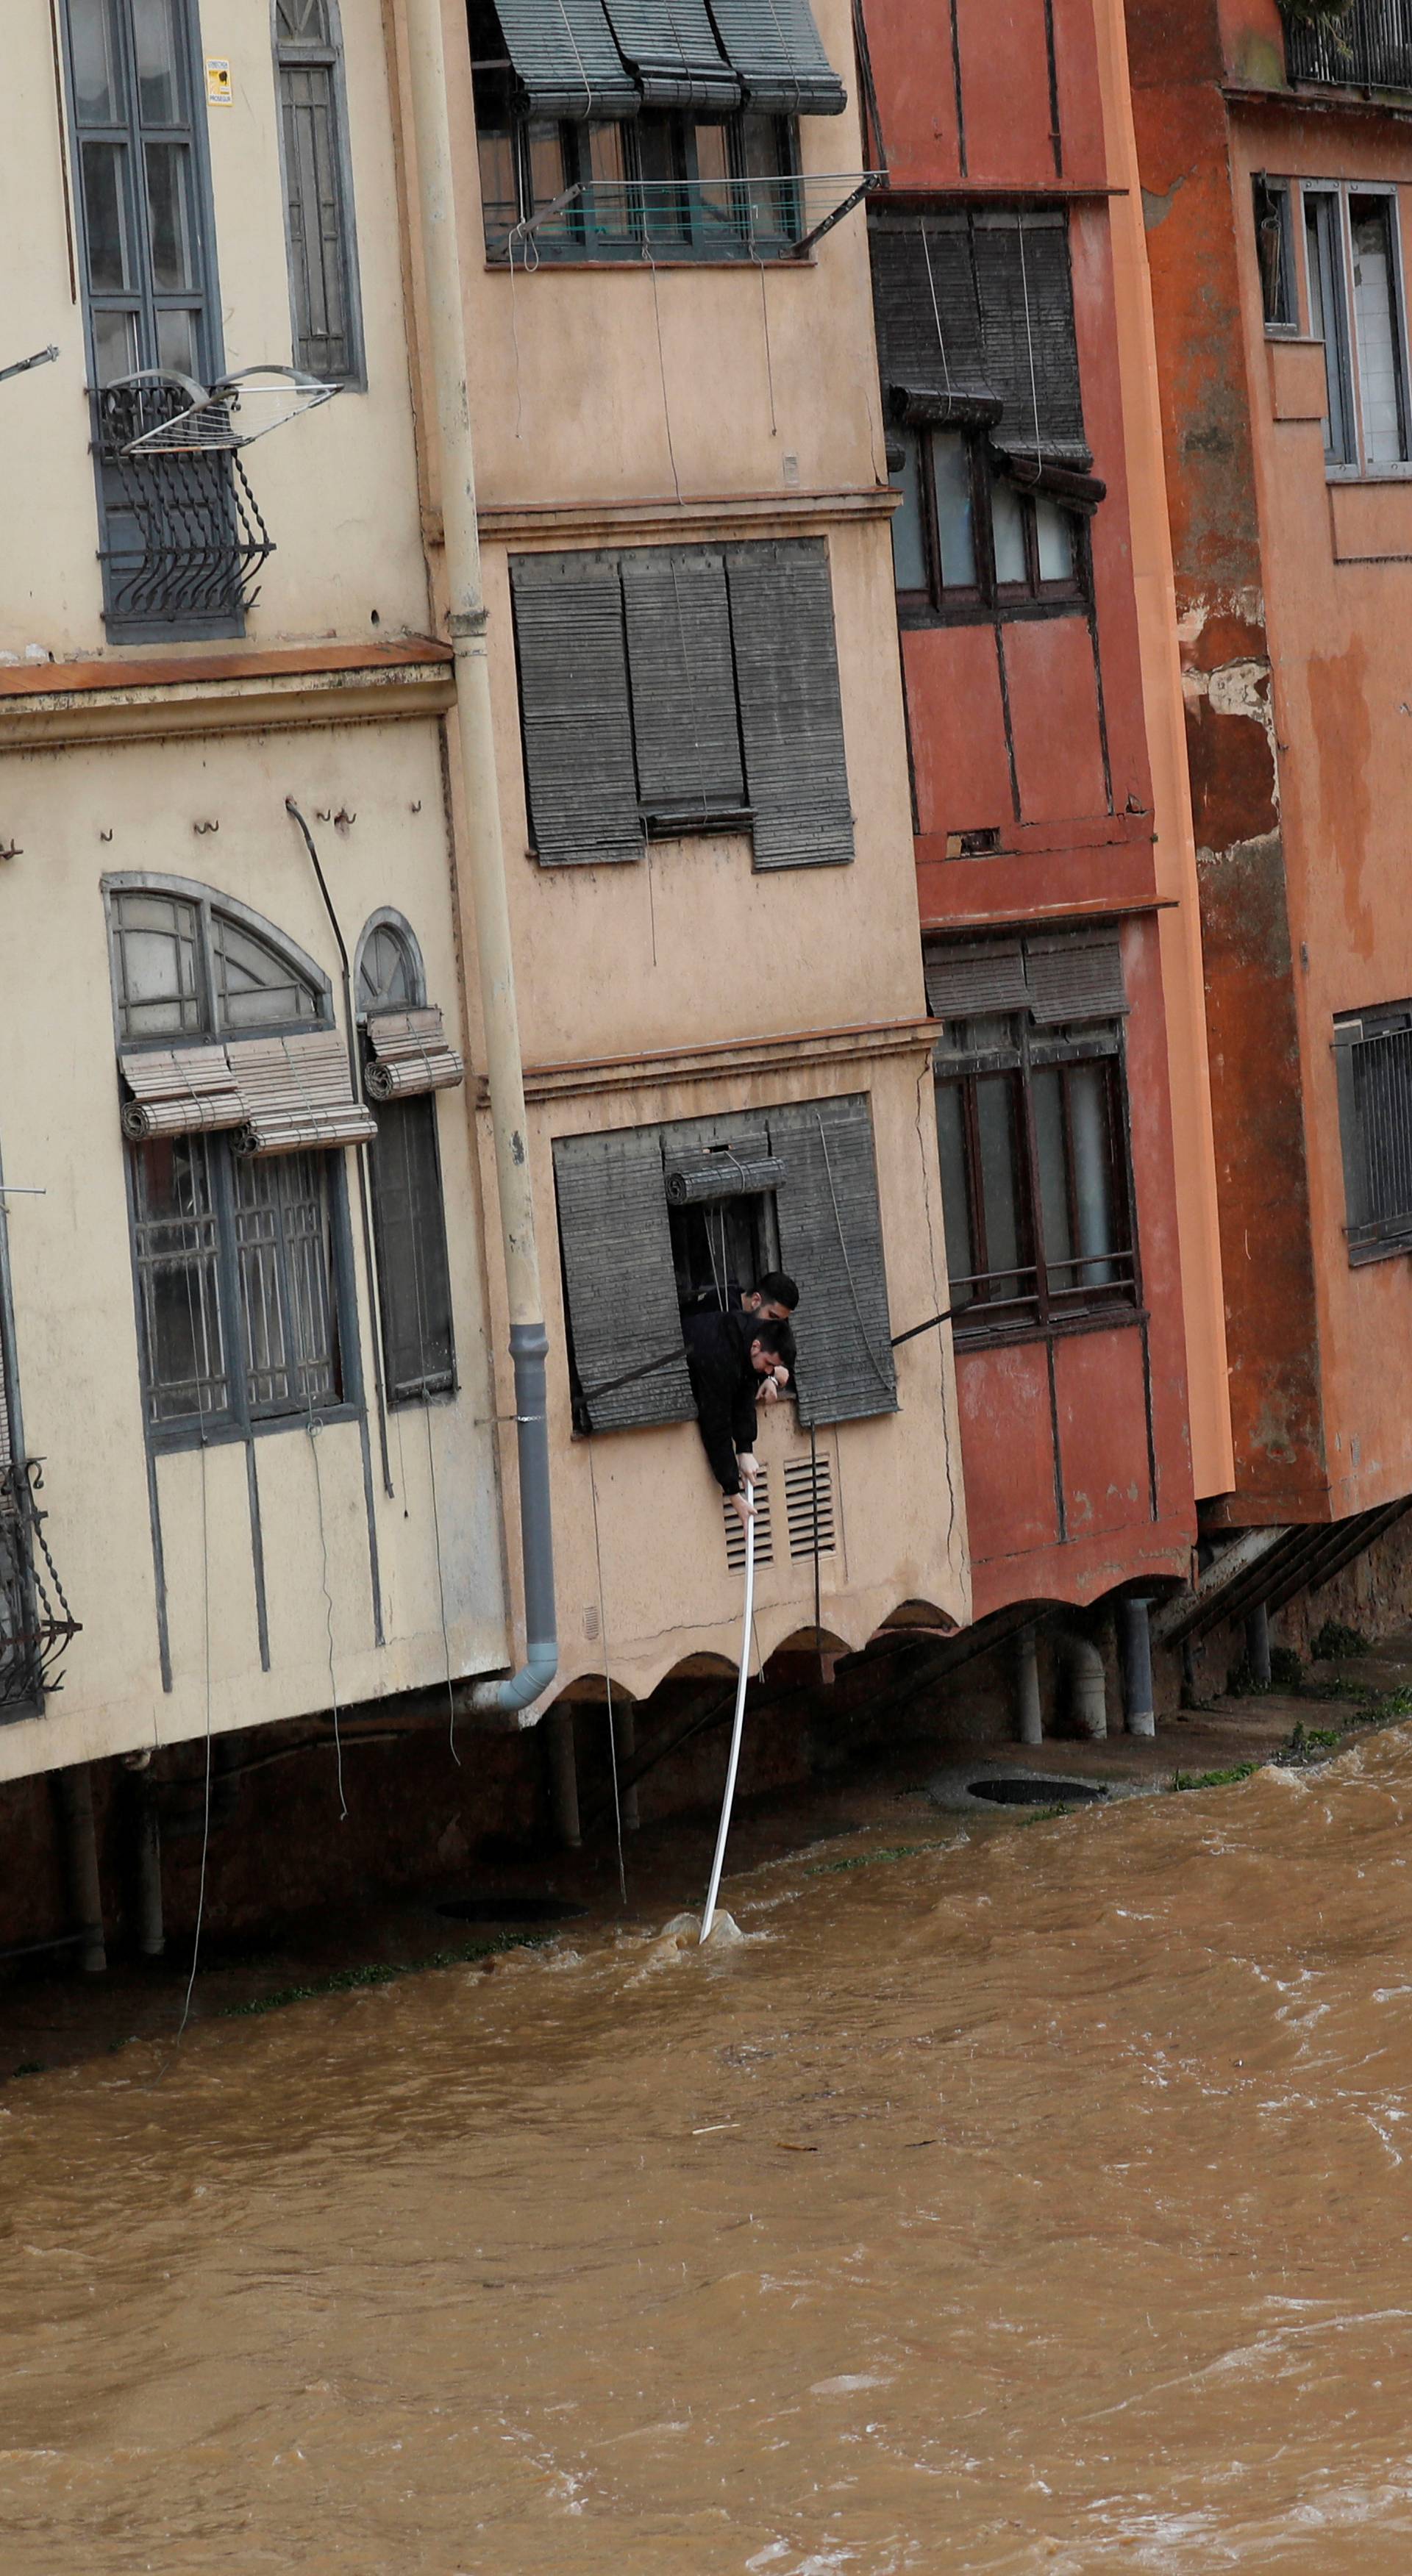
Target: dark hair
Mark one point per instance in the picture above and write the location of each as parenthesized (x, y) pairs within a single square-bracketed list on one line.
[(773, 1337), (777, 1289)]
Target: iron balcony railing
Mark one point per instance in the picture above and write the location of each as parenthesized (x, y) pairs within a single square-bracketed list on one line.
[(37, 1626), (184, 538), (1365, 46)]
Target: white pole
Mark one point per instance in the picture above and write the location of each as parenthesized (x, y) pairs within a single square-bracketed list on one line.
[(738, 1730)]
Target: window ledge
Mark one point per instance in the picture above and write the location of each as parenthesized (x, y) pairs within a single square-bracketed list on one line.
[(701, 515), (1371, 519), (734, 1057), (221, 1435), (1099, 1319), (138, 696)]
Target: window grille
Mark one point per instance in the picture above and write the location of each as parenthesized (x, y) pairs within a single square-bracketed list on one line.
[(1031, 1111), (682, 689), (410, 1061), (632, 1261), (1373, 1060), (37, 1627), (318, 190)]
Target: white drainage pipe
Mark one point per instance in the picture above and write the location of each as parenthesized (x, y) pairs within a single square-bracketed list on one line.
[(737, 1731)]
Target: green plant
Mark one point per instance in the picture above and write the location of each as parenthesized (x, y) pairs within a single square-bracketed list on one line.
[(1335, 1640), (867, 1860), (1213, 1779), (1045, 1815), (1286, 1668), (1319, 14), (382, 1972), (1242, 1684)]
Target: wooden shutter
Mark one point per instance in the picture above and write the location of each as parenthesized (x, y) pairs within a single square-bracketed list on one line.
[(966, 982), (414, 1273), (410, 1053), (564, 53), (683, 683), (671, 45), (622, 1290), (791, 715), (178, 1090), (1075, 979), (1027, 328), (776, 49), (831, 1243), (297, 1093), (574, 709), (930, 352)]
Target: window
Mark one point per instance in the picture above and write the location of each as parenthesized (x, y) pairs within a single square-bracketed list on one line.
[(1031, 1129), (409, 1216), (236, 1077), (807, 1198), (980, 377), (181, 539), (1353, 278), (1367, 45), (1274, 244), (677, 689), (323, 286), (1373, 1060), (668, 127)]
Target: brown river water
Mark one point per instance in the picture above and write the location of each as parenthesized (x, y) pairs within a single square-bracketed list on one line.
[(1036, 2201)]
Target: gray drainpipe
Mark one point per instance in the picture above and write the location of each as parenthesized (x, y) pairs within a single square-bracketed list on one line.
[(484, 855)]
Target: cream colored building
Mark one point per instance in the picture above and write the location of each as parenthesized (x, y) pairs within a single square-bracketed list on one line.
[(255, 1348)]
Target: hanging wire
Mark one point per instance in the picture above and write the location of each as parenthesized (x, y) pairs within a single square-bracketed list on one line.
[(441, 1590), (662, 370), (206, 1800), (936, 309), (1029, 336), (769, 354)]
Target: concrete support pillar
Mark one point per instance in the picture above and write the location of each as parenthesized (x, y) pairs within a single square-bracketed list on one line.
[(1029, 1717), (1089, 1684), (81, 1858), (1135, 1643), (151, 1930), (625, 1754), (1257, 1643), (563, 1776)]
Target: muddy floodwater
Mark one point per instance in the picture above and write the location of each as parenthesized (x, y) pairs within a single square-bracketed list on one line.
[(1035, 2200)]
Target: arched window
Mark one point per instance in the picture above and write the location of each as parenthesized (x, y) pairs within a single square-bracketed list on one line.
[(237, 1098), (410, 1061)]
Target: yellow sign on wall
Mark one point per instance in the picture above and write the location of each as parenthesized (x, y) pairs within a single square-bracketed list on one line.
[(218, 89)]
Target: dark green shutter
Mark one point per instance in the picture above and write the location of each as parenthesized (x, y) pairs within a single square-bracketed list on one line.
[(683, 683), (791, 715), (831, 1243), (1027, 328), (1075, 979), (930, 353), (622, 1289), (775, 47), (414, 1274), (973, 980), (671, 45), (575, 710), (564, 53)]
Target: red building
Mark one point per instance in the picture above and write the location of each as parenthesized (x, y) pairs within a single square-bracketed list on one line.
[(1010, 397)]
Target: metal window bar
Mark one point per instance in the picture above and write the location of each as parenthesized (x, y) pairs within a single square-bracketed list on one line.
[(37, 1626), (779, 216), (183, 533), (1382, 1092), (1368, 47)]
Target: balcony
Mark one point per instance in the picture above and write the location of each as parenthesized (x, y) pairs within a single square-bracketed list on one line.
[(36, 1623), (1367, 45)]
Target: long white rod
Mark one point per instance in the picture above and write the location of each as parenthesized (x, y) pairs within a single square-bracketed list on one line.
[(708, 1918)]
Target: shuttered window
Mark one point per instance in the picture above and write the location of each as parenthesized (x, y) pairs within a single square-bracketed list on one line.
[(806, 1198), (1373, 1061), (1031, 1110), (674, 689), (671, 46), (790, 711), (831, 1243), (318, 190), (408, 1059), (619, 1281), (777, 51), (566, 60)]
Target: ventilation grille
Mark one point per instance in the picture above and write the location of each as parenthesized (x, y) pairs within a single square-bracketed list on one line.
[(808, 1502), (735, 1527)]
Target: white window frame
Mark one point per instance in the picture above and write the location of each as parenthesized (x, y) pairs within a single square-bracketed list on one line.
[(1357, 468)]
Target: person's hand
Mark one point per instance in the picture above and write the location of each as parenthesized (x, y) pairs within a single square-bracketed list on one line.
[(780, 1378), (768, 1392), (743, 1505), (749, 1466)]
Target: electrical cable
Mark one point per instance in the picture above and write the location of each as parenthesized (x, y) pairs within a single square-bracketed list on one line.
[(662, 370)]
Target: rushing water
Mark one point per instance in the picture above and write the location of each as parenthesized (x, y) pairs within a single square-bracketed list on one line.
[(1036, 2202)]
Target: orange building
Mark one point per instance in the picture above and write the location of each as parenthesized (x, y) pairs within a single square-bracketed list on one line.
[(1055, 870), (1276, 159)]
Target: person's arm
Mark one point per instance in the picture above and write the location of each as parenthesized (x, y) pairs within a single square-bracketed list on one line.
[(713, 1421), (744, 1421)]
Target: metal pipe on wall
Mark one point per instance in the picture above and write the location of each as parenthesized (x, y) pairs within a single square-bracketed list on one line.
[(484, 851)]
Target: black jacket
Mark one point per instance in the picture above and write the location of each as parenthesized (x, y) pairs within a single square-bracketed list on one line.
[(723, 1383)]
